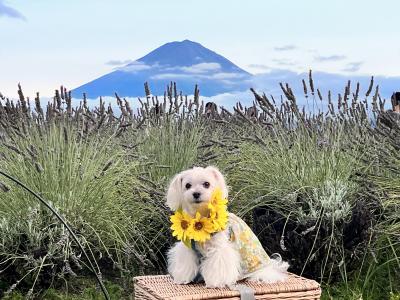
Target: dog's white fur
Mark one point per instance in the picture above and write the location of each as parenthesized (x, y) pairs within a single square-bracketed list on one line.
[(220, 265)]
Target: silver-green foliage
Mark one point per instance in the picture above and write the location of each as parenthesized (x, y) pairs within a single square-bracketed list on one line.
[(81, 178)]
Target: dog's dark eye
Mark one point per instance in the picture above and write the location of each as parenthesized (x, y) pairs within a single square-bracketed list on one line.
[(206, 184), (188, 186)]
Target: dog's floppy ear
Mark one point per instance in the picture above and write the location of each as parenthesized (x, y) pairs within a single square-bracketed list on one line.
[(220, 179), (174, 193)]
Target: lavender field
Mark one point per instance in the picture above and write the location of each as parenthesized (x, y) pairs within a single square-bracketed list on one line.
[(320, 187)]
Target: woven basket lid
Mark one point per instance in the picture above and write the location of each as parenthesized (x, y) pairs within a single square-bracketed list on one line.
[(163, 287)]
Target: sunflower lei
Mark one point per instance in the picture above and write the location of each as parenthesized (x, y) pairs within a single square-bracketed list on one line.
[(199, 228)]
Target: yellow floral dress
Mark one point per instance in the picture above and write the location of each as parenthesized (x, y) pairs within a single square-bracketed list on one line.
[(253, 255)]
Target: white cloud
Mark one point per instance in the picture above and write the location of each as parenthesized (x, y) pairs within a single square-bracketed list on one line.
[(284, 62), (353, 66), (198, 70), (117, 62), (135, 67), (225, 75), (321, 58), (259, 66), (202, 68), (172, 76), (8, 11), (285, 48), (229, 100), (217, 76)]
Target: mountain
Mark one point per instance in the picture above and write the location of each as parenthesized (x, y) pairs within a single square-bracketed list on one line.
[(186, 62), (189, 63)]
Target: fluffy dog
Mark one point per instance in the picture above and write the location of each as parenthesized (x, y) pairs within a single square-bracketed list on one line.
[(230, 255)]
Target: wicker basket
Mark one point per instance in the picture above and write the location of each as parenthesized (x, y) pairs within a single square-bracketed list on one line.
[(162, 287)]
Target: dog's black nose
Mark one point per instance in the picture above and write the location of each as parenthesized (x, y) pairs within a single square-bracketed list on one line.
[(196, 195)]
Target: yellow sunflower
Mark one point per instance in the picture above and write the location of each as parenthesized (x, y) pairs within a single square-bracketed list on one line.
[(200, 229), (217, 200), (219, 218), (210, 217), (181, 222)]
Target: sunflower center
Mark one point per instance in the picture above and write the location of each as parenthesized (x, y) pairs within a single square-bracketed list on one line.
[(198, 225), (184, 224)]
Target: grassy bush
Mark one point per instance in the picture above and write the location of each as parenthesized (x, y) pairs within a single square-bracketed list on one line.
[(297, 186), (81, 178), (170, 147), (381, 180)]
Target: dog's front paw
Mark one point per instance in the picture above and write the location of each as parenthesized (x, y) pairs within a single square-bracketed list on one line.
[(222, 268), (181, 278), (183, 275), (183, 264)]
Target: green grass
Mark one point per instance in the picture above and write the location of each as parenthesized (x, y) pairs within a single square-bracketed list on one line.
[(87, 291)]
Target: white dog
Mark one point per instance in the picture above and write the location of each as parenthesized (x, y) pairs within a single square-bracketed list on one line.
[(230, 255)]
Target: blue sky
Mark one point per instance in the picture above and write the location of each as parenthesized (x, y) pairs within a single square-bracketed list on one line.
[(45, 43)]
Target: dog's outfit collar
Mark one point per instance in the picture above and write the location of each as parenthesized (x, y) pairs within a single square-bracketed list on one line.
[(198, 277)]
